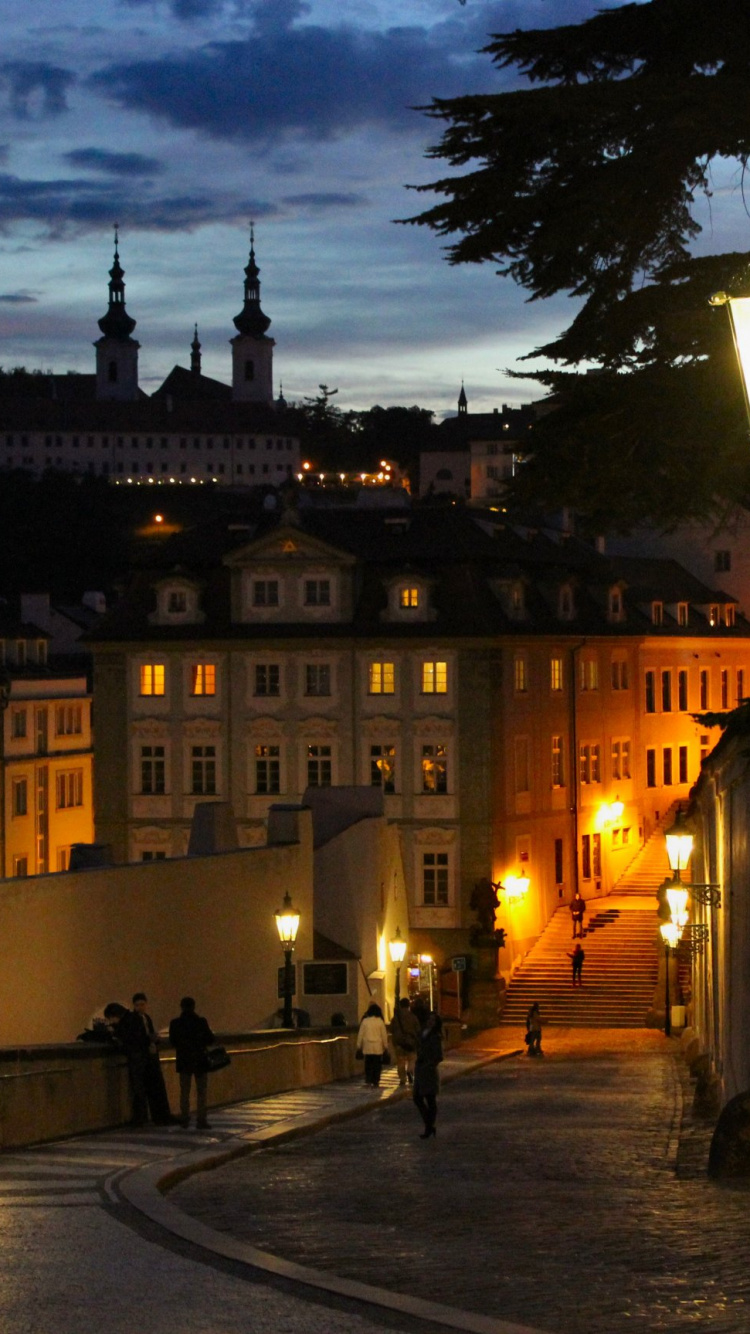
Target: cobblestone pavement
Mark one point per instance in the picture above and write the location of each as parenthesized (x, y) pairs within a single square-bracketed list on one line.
[(555, 1195)]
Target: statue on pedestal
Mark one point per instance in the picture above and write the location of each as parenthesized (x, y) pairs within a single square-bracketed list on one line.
[(484, 901)]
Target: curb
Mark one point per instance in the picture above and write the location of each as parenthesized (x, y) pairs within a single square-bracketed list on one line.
[(144, 1187)]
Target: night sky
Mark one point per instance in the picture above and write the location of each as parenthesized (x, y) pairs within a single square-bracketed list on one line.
[(182, 119)]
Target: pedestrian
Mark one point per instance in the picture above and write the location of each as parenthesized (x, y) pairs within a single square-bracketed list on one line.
[(372, 1041), (156, 1090), (534, 1030), (577, 957), (426, 1075), (132, 1039), (404, 1034), (577, 911), (190, 1036)]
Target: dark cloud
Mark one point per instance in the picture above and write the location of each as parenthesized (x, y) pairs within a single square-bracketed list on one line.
[(17, 299), (114, 164), (307, 80), (35, 89), (83, 205), (187, 10), (322, 201)]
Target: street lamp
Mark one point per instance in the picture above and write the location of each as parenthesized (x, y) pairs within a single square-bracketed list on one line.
[(738, 310), (679, 845), (287, 925), (397, 947), (670, 934)]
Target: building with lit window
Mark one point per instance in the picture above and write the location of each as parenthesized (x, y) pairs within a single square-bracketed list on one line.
[(525, 703), (192, 429), (46, 755)]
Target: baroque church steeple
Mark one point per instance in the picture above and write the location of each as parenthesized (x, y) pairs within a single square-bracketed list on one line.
[(252, 349), (195, 354), (116, 350)]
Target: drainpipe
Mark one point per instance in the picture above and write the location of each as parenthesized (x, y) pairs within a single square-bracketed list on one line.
[(575, 778)]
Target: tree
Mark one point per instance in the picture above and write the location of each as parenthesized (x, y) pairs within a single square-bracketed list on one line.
[(588, 184)]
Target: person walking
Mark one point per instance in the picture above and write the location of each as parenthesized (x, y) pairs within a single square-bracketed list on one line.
[(577, 957), (404, 1034), (426, 1074), (534, 1030), (577, 912), (372, 1040), (156, 1090), (190, 1035)]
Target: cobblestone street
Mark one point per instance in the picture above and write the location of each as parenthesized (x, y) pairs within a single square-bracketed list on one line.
[(554, 1195)]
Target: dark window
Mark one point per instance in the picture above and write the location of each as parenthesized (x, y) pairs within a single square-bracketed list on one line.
[(559, 877), (586, 856), (650, 692), (650, 767), (667, 766), (683, 763), (666, 692), (682, 690)]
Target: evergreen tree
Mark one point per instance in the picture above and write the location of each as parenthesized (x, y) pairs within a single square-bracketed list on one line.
[(587, 183)]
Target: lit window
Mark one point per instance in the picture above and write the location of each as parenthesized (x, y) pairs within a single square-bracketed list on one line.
[(267, 770), (434, 769), (68, 720), (713, 614), (382, 678), (383, 767), (203, 770), (729, 614), (556, 673), (203, 678), (409, 597), (589, 762), (620, 758), (435, 879), (152, 678), (69, 789), (266, 593), (317, 592), (267, 678), (520, 681), (434, 678)]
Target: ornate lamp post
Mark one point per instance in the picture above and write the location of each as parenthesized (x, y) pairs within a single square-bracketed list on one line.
[(397, 947), (670, 934), (287, 925)]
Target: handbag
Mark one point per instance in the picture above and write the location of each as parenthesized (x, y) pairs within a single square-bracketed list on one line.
[(217, 1058), (359, 1055)]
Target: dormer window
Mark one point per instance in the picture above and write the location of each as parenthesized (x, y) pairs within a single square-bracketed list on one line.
[(21, 652), (177, 603), (41, 651), (266, 593), (517, 600), (657, 613), (713, 614), (408, 597), (317, 592), (615, 608), (682, 613), (729, 614), (565, 603)]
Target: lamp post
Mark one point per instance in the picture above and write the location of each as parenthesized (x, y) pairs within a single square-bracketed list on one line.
[(738, 310), (670, 934), (287, 925), (397, 947)]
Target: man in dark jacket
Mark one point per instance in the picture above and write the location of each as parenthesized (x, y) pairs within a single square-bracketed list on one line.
[(405, 1030), (156, 1089), (131, 1036), (190, 1035)]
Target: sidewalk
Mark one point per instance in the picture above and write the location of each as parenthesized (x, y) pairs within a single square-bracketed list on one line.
[(88, 1241)]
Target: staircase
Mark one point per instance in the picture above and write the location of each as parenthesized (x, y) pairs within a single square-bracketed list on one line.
[(619, 971), (621, 944)]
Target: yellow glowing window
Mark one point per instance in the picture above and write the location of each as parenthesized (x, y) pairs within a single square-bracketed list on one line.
[(152, 678), (434, 678), (382, 678), (203, 678), (556, 673), (409, 597)]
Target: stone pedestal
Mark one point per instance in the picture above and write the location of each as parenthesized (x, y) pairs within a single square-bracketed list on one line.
[(484, 985)]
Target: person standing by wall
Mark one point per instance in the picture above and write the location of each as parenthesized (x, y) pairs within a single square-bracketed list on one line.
[(534, 1030), (156, 1089), (372, 1039), (426, 1074), (131, 1036), (190, 1035), (577, 912), (577, 957), (404, 1034)]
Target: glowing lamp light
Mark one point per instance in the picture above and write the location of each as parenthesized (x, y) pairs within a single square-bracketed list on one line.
[(516, 886), (677, 898), (670, 934), (306, 467), (397, 947), (738, 309), (616, 810), (158, 518), (287, 923), (679, 844)]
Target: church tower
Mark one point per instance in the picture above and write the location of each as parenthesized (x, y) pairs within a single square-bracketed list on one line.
[(116, 351), (463, 403), (252, 350)]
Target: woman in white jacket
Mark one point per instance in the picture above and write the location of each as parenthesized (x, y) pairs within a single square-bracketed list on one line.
[(372, 1041)]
